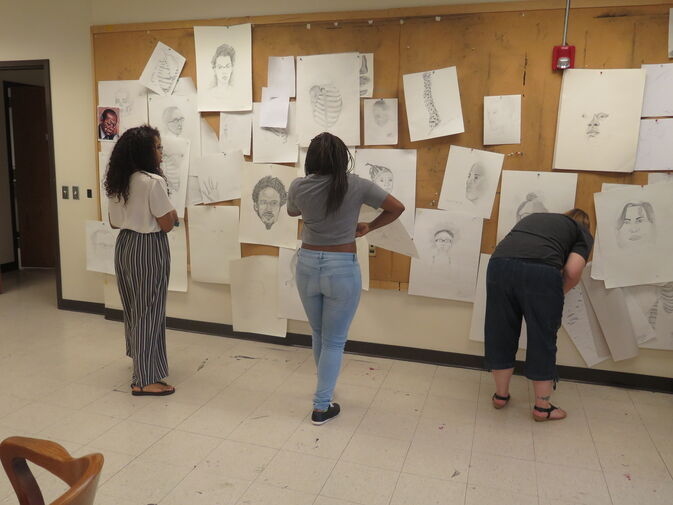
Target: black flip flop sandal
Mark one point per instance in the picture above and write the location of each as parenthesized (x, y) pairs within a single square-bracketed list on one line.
[(142, 392), (547, 411), (505, 399)]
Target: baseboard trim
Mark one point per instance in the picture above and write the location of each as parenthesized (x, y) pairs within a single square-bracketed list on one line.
[(444, 358), (80, 306)]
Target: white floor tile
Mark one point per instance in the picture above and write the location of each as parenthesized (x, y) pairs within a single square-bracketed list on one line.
[(414, 490), (508, 474), (575, 485), (238, 460), (379, 452), (296, 471), (264, 494), (360, 484)]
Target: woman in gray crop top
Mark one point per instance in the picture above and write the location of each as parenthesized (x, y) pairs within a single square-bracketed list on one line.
[(329, 199)]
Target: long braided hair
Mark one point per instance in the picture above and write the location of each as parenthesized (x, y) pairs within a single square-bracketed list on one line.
[(328, 155)]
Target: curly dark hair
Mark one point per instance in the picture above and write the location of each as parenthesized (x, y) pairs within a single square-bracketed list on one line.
[(133, 152), (270, 182)]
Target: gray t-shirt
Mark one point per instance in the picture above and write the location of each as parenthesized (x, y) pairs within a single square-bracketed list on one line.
[(308, 195)]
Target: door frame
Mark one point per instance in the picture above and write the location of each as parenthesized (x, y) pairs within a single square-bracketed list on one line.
[(44, 66)]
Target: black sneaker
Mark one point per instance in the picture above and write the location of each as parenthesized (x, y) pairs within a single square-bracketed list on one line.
[(332, 411)]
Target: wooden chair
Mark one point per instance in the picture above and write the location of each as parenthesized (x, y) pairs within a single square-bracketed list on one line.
[(81, 474)]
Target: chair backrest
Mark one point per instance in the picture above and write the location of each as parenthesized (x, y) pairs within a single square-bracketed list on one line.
[(81, 474)]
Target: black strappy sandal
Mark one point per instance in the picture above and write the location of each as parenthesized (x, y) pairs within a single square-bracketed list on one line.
[(547, 411), (142, 391), (505, 399)]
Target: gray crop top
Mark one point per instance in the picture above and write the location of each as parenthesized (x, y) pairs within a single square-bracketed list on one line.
[(308, 195)]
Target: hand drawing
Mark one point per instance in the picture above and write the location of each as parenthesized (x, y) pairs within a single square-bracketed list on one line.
[(364, 75), (381, 176), (210, 189), (442, 242), (108, 123), (531, 205), (222, 64), (326, 103), (665, 299), (474, 185), (636, 225), (166, 71), (595, 123), (173, 120), (278, 132), (268, 196), (433, 115)]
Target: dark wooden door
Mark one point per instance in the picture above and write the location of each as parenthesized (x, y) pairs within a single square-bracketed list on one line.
[(35, 201)]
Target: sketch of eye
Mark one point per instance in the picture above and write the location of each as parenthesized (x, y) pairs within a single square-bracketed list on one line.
[(326, 103), (595, 123), (278, 132)]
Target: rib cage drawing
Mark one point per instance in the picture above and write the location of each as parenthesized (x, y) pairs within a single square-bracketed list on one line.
[(326, 103), (164, 73), (665, 296), (433, 115)]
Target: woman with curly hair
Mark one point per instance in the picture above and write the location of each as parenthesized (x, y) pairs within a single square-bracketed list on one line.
[(139, 206)]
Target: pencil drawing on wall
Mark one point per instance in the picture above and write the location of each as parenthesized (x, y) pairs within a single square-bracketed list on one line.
[(163, 69)]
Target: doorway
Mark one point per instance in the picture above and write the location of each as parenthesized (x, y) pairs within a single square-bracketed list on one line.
[(28, 214)]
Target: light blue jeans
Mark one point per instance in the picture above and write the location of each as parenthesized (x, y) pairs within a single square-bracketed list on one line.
[(329, 285)]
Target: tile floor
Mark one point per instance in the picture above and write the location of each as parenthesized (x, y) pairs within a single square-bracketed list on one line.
[(237, 432)]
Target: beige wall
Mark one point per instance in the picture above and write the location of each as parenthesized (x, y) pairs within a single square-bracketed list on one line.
[(6, 243), (60, 32)]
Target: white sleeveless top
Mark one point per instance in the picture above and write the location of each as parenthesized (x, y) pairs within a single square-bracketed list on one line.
[(148, 200)]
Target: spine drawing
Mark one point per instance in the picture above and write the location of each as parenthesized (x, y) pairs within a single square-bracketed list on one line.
[(665, 296), (164, 73), (326, 103), (433, 115)]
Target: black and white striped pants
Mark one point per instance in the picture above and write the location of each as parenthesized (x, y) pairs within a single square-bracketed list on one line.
[(142, 264)]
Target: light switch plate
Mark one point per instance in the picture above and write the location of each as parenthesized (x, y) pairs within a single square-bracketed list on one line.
[(65, 193)]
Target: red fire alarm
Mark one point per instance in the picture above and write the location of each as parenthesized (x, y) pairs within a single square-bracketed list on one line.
[(563, 56)]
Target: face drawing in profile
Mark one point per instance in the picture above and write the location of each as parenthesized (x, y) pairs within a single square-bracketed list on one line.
[(474, 185), (636, 225), (222, 64), (595, 123), (531, 205), (381, 176), (174, 120), (441, 245), (268, 196)]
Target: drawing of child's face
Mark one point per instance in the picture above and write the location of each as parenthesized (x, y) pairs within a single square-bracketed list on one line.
[(223, 69), (268, 206), (636, 227), (380, 113), (474, 182), (443, 241), (384, 179)]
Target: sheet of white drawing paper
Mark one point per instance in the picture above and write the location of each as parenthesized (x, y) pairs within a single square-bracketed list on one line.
[(163, 69), (254, 296), (657, 178), (210, 144), (235, 132), (175, 166), (213, 242), (281, 74), (185, 87), (380, 121), (274, 109), (103, 160), (658, 83), (636, 230), (448, 246), (220, 176), (131, 99), (433, 104), (524, 193), (366, 75), (328, 97), (597, 258), (274, 145), (264, 218), (289, 303), (394, 170), (100, 247), (393, 236), (470, 181), (502, 119), (193, 196), (479, 307), (362, 246), (177, 241), (655, 145), (655, 302), (642, 329), (302, 160), (587, 336), (224, 67), (176, 117), (599, 119), (609, 306)]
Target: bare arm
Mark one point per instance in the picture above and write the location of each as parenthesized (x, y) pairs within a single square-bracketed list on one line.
[(572, 271), (167, 221), (392, 209)]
